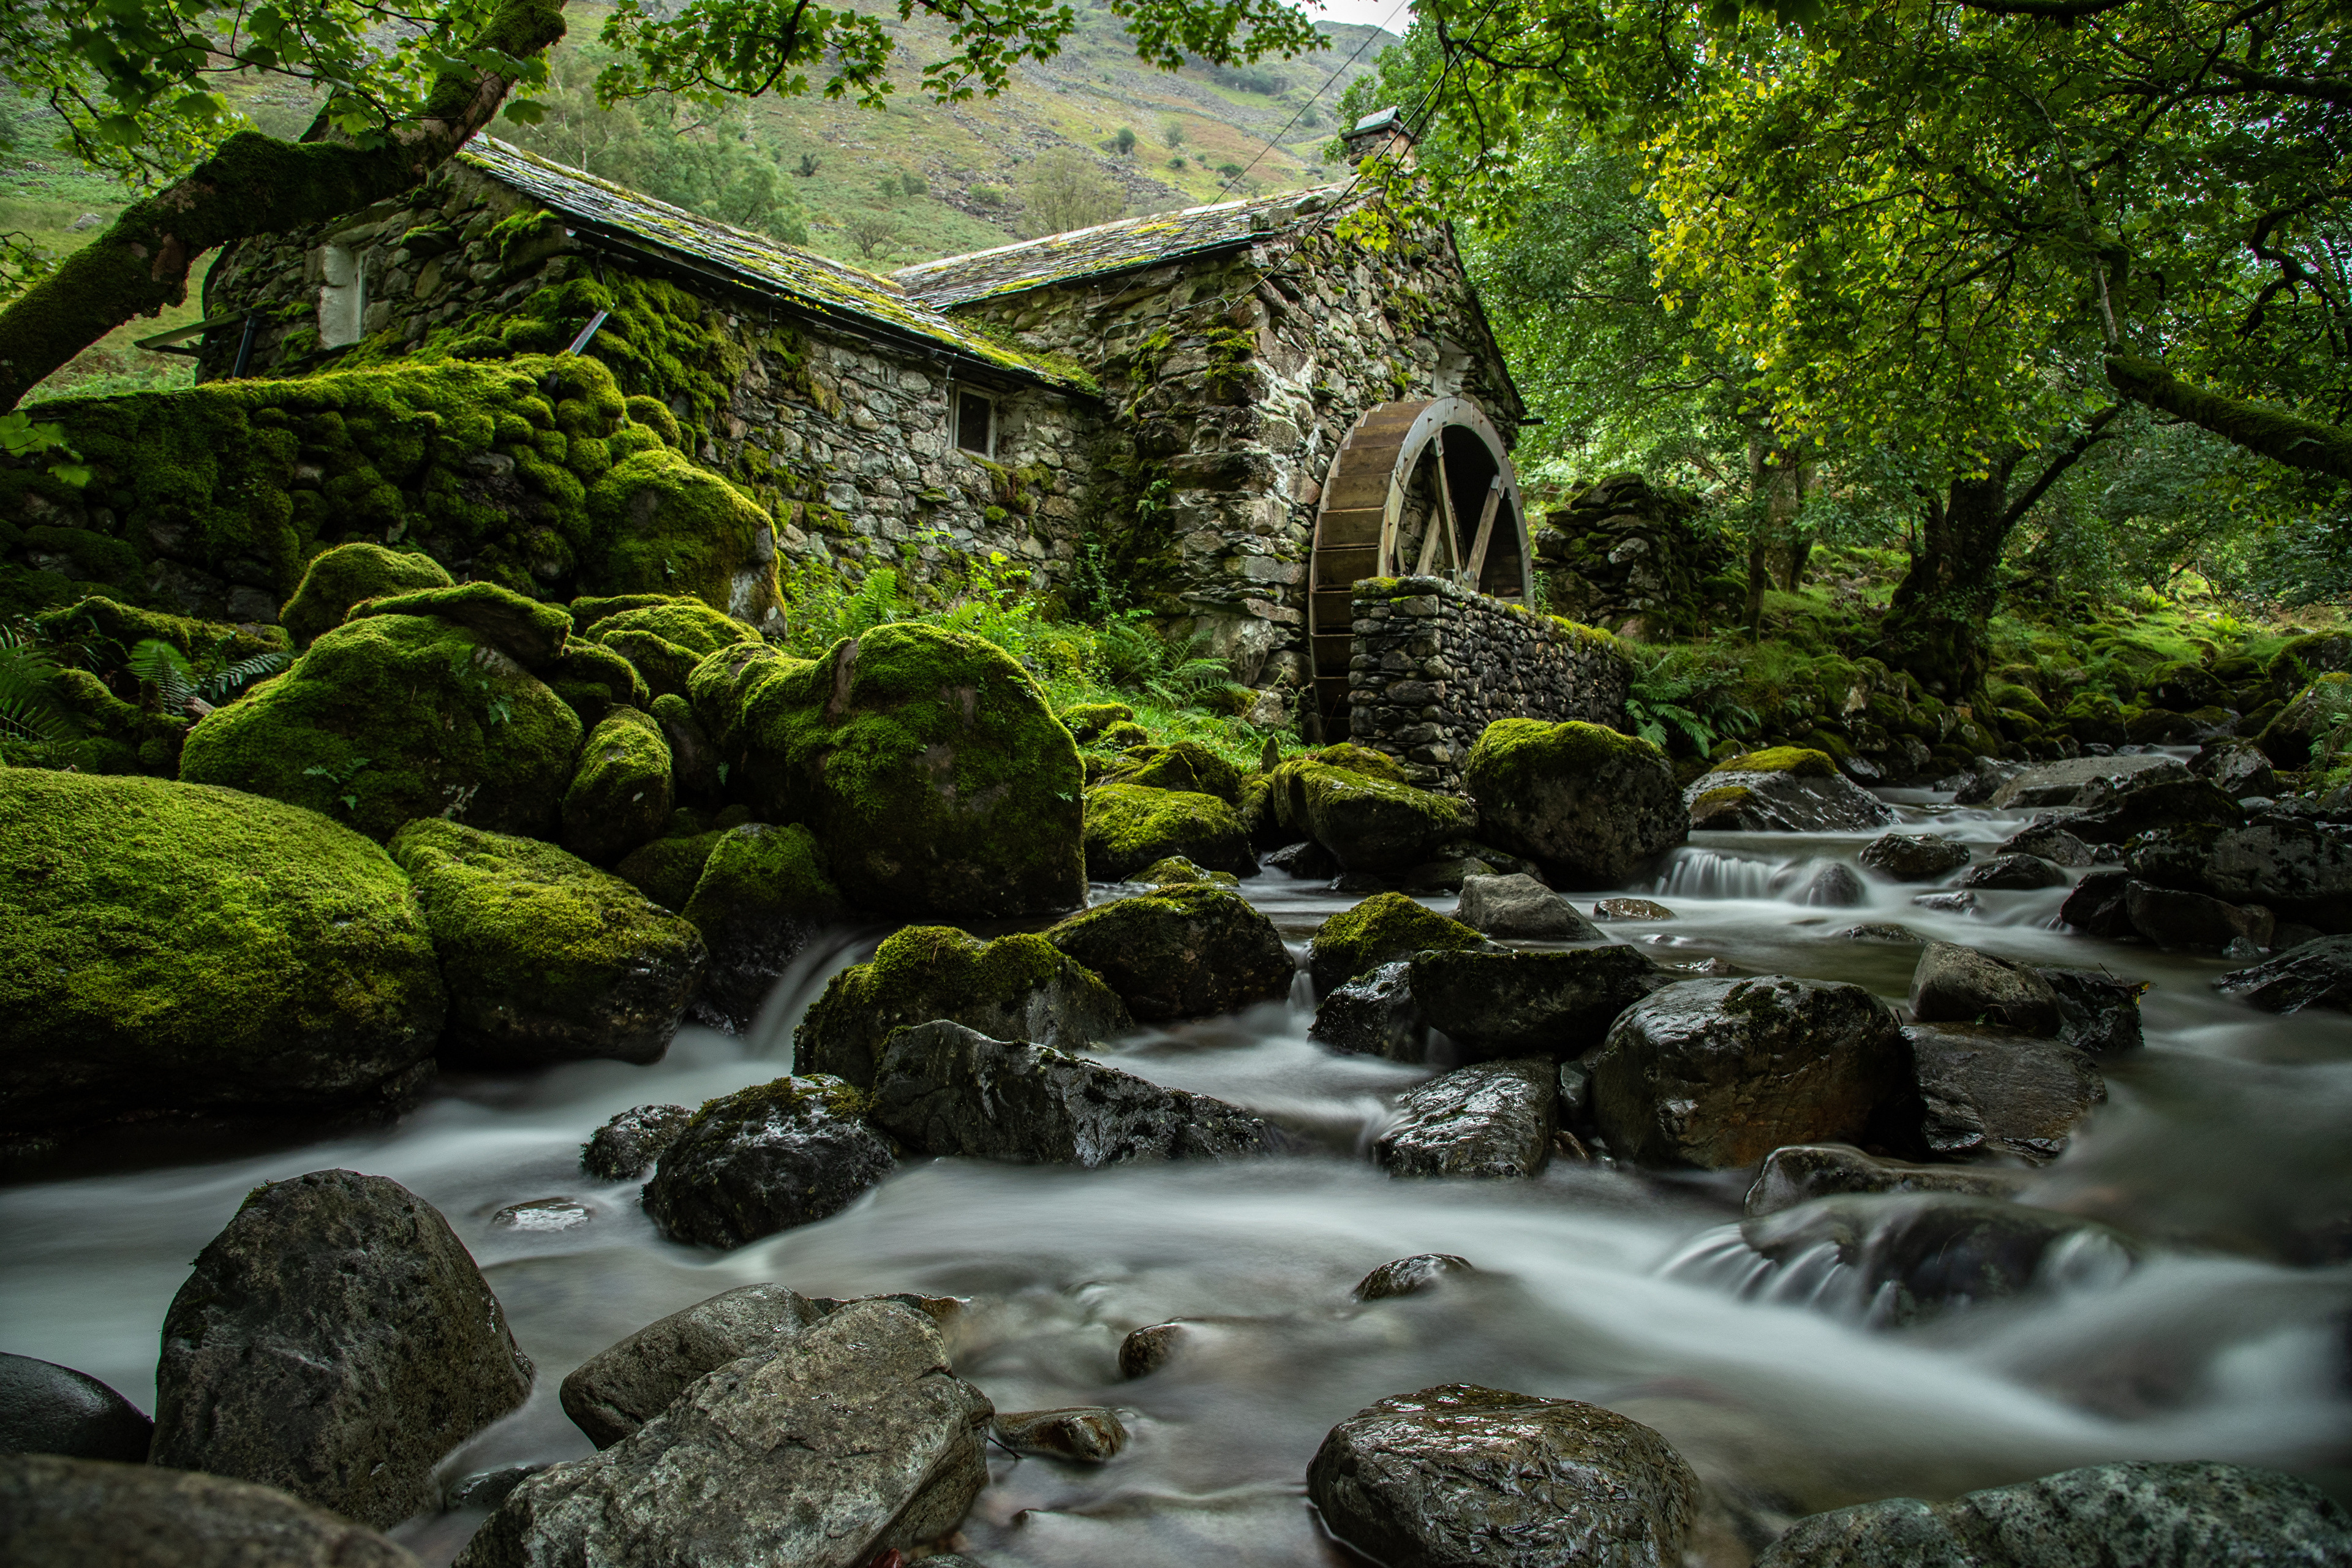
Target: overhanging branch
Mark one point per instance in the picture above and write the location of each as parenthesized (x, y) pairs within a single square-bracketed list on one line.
[(2275, 433)]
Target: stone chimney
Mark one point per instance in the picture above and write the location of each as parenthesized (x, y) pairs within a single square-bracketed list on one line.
[(1381, 131)]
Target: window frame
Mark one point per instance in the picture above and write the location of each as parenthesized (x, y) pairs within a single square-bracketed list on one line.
[(957, 393)]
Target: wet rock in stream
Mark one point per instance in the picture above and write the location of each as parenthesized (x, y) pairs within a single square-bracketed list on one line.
[(2317, 974), (1462, 1474), (46, 1408), (2063, 783), (2098, 1012), (1718, 1073), (1785, 789), (2015, 872), (1803, 1171), (765, 1159), (58, 1512), (628, 1146), (2172, 919), (1991, 1091), (1087, 1434), (1520, 907), (1381, 929), (2203, 1515), (946, 1089), (1632, 910), (1491, 1119), (2095, 907), (1512, 1004), (853, 1438), (2046, 838), (1586, 801), (1956, 984), (2297, 867), (1834, 887), (1373, 1015), (1912, 857), (1184, 951), (334, 1341), (1411, 1276)]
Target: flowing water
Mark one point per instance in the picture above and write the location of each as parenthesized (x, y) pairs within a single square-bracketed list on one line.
[(2223, 1143)]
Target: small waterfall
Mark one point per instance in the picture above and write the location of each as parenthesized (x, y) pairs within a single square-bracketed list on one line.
[(1696, 873)]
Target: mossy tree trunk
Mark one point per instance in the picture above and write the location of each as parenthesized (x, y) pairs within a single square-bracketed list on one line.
[(2274, 432), (1935, 626), (252, 184), (1777, 478)]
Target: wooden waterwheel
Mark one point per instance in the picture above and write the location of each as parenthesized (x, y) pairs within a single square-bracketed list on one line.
[(1418, 488)]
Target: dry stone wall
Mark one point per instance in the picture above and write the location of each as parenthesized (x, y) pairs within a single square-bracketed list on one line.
[(1434, 664)]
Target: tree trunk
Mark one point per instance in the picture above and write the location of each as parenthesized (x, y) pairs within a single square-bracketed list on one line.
[(1775, 479), (1800, 539), (251, 185), (2272, 432)]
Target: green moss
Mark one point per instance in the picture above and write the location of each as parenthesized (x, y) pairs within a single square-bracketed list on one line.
[(667, 869), (1129, 826), (1373, 825), (1362, 760), (923, 973), (1795, 760), (1086, 721), (1510, 751), (689, 624), (339, 578), (656, 416), (661, 525), (592, 678), (668, 668), (530, 634), (1175, 870), (545, 956), (759, 881), (726, 686), (173, 949), (1381, 929), (1186, 765), (620, 795), (1124, 736), (391, 717), (587, 614), (105, 630)]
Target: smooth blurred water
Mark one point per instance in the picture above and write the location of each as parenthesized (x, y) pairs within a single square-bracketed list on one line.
[(2222, 1144)]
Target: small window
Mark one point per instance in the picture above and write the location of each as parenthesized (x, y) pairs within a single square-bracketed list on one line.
[(342, 297), (975, 422)]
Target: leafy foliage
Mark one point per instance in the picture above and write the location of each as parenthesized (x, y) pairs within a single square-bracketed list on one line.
[(33, 722)]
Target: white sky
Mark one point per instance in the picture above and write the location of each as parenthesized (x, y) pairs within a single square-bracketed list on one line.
[(1393, 14)]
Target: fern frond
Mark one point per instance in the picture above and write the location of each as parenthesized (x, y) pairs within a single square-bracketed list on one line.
[(157, 660)]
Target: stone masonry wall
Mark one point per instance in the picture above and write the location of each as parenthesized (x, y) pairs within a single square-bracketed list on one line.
[(1234, 378), (845, 440), (1434, 663)]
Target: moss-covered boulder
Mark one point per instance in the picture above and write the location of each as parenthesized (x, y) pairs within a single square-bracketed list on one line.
[(592, 611), (660, 525), (766, 1159), (2304, 659), (926, 762), (667, 869), (1784, 789), (1381, 929), (683, 623), (177, 950), (697, 772), (1187, 765), (1018, 988), (1086, 721), (391, 718), (1286, 796), (105, 628), (2287, 739), (593, 679), (339, 578), (1175, 871), (118, 737), (723, 686), (1129, 826), (1184, 952), (526, 631), (546, 958), (620, 795), (763, 894), (667, 666), (1373, 824), (1588, 803)]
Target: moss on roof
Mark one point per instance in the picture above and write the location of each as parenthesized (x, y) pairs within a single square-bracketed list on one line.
[(1108, 248), (811, 284)]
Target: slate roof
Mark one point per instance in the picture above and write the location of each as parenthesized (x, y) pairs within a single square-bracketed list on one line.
[(1108, 248), (808, 283)]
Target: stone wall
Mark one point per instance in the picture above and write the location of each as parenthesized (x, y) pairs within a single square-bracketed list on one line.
[(845, 440), (1632, 560), (1234, 376), (1434, 663)]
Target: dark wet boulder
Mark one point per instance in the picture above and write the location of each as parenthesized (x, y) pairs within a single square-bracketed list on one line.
[(1491, 1119), (2095, 907), (2313, 975), (2015, 872), (1835, 885), (630, 1145), (1994, 1092), (854, 1439), (2236, 769), (620, 1388), (394, 717), (926, 762), (46, 1408), (1375, 824), (349, 574), (2289, 737), (1373, 1016), (1913, 857), (1506, 1003), (763, 896), (765, 1159), (2047, 839), (1586, 803), (1421, 1272), (2152, 1515), (2112, 816), (59, 1512), (620, 795), (2063, 783), (1148, 1349), (1956, 984), (1632, 910), (1130, 826), (1719, 1073), (1800, 1172), (1785, 789), (1461, 1474), (1912, 1254), (2171, 918), (546, 958), (1883, 933), (1188, 950), (942, 1089), (1016, 987), (335, 1341), (1520, 907), (2299, 868), (1306, 861), (1083, 1434), (1381, 929), (2096, 1011), (177, 950)]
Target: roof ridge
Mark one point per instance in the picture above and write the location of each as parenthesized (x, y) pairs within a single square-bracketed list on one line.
[(1282, 198)]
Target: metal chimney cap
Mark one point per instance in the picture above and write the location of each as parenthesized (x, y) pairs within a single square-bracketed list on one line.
[(1378, 120)]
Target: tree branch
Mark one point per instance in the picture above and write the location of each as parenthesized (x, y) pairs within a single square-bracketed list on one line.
[(2274, 433), (2322, 90), (2052, 10), (2058, 465)]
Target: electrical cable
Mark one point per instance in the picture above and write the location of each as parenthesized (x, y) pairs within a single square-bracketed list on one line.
[(1379, 31)]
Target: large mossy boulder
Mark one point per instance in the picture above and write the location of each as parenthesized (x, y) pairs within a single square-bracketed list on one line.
[(1784, 789), (593, 680), (1382, 929), (683, 623), (658, 525), (1371, 823), (620, 795), (763, 894), (348, 575), (336, 1340), (176, 949), (1131, 826), (391, 718), (1589, 803), (2288, 738), (927, 763), (529, 633), (1186, 951), (547, 959), (1186, 765), (1018, 988)]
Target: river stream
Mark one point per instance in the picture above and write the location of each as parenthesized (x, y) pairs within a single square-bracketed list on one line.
[(2222, 1144)]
